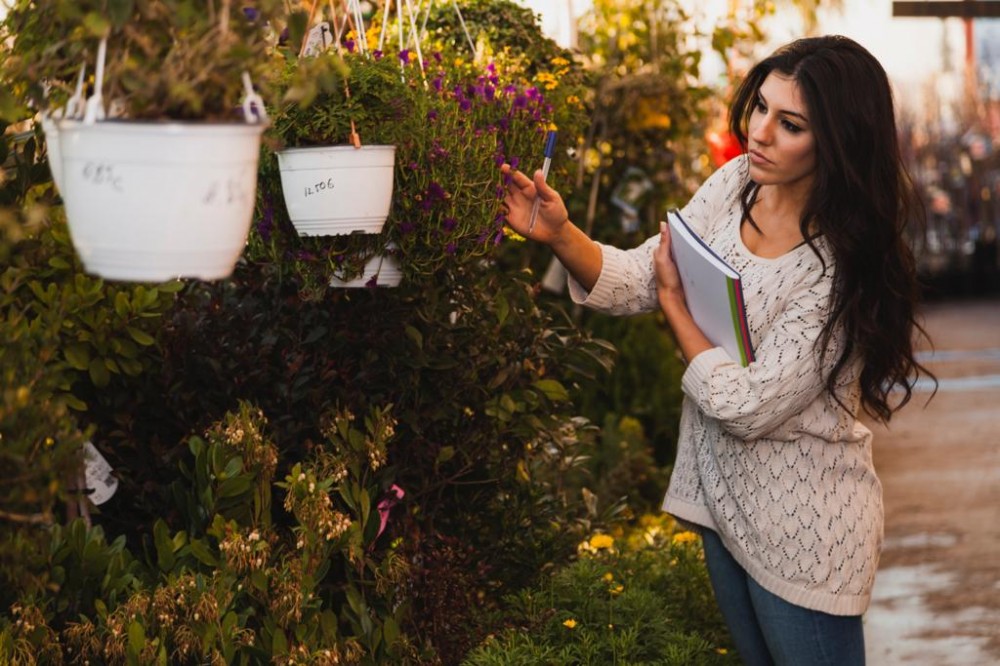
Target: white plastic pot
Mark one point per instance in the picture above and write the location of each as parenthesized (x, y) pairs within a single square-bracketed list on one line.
[(385, 269), (151, 201), (337, 190), (50, 128)]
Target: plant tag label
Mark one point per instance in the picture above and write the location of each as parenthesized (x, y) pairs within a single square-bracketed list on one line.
[(319, 39), (101, 483)]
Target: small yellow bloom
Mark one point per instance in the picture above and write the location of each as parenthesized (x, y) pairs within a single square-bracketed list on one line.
[(722, 650), (608, 577), (570, 624), (684, 537), (559, 61), (616, 590), (601, 541)]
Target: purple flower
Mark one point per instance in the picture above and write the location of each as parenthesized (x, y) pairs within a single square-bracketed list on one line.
[(515, 161), (500, 192), (404, 56), (465, 104), (437, 56), (349, 45), (510, 90), (520, 102), (266, 223), (432, 115), (406, 227), (450, 248), (449, 223), (251, 14), (437, 82), (377, 54)]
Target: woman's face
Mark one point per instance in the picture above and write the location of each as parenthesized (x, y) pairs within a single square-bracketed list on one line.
[(780, 141)]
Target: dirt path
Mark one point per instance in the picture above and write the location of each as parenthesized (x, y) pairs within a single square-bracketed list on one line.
[(937, 595)]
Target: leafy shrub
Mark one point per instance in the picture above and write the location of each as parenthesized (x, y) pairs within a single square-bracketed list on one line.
[(643, 598)]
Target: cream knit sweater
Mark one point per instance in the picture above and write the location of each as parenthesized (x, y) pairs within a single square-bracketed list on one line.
[(765, 456)]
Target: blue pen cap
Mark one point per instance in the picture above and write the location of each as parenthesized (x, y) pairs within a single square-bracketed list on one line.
[(550, 144)]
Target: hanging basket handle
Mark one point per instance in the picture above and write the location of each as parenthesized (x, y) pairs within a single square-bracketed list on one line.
[(93, 109), (253, 106)]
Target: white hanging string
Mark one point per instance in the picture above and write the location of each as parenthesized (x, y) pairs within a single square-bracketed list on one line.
[(416, 35), (94, 108)]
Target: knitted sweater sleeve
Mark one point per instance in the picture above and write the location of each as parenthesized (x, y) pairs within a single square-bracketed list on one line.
[(784, 380), (627, 283)]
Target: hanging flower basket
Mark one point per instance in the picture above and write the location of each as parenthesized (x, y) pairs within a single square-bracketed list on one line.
[(337, 190), (51, 131), (381, 270), (153, 201)]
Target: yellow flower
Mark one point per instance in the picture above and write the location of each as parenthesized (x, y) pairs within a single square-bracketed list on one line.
[(513, 235), (559, 61), (601, 541), (722, 650), (684, 537), (570, 624), (608, 577), (616, 590)]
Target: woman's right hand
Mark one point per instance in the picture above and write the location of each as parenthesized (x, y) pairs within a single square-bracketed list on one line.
[(520, 192)]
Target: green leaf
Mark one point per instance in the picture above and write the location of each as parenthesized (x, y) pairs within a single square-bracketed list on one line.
[(445, 454), (164, 546), (416, 336), (503, 308), (279, 644), (136, 638), (234, 486), (141, 337), (121, 304), (552, 389), (366, 506), (78, 356), (203, 553), (390, 630), (99, 373)]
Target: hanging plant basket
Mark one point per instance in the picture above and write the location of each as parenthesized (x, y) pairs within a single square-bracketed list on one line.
[(153, 201), (381, 270), (51, 131), (337, 190)]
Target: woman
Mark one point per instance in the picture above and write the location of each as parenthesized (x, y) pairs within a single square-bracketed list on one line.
[(772, 463)]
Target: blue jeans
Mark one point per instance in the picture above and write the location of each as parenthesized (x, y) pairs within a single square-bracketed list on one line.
[(767, 630)]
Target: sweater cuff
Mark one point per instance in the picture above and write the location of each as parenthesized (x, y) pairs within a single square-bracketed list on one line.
[(699, 371), (600, 295)]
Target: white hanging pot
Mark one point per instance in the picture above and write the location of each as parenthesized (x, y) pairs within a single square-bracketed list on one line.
[(337, 190), (51, 131), (381, 270), (152, 201)]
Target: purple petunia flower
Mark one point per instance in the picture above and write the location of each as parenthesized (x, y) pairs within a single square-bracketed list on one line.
[(404, 56), (349, 45), (377, 54)]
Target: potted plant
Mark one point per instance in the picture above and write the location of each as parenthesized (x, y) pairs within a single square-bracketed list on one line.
[(336, 126), (453, 118), (164, 188)]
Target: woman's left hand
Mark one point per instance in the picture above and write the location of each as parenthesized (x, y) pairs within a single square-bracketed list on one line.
[(668, 280)]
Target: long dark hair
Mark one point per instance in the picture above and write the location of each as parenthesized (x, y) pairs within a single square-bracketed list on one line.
[(861, 203)]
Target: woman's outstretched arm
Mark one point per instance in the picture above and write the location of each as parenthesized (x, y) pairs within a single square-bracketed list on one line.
[(578, 254)]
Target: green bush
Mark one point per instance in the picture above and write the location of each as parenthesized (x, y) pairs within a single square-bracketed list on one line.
[(643, 598)]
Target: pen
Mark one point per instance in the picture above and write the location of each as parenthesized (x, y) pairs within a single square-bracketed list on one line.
[(550, 150)]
